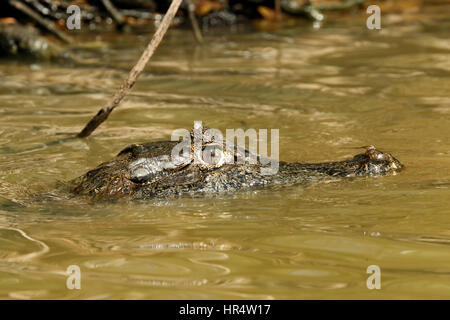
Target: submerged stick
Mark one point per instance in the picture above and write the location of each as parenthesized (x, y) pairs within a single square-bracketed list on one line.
[(195, 27), (277, 10), (103, 114), (47, 24)]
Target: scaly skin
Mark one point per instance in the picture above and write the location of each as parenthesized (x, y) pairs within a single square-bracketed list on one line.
[(141, 172)]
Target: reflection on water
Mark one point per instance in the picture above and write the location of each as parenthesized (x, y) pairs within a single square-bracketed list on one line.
[(327, 90)]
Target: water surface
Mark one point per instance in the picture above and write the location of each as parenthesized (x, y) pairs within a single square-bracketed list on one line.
[(327, 90)]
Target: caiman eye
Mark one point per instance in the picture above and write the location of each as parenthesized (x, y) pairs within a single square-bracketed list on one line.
[(147, 169), (144, 169)]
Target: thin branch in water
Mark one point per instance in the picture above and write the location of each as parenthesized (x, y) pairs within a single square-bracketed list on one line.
[(277, 10), (47, 24), (195, 27), (103, 114), (118, 17)]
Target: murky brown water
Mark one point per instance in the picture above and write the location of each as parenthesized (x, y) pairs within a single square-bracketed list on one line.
[(327, 90)]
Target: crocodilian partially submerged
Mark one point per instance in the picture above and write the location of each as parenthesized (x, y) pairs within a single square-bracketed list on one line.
[(144, 171)]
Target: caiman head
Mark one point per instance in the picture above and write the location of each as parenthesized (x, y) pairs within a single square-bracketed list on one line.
[(142, 171)]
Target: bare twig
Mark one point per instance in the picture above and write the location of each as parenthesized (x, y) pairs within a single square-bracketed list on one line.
[(47, 24), (195, 27), (103, 114), (118, 17)]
